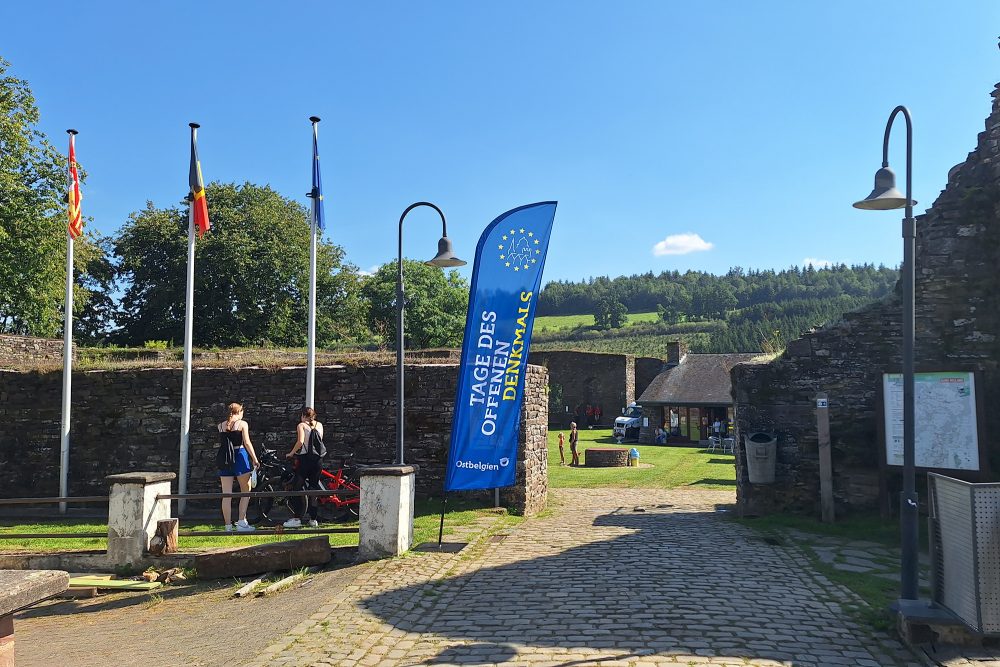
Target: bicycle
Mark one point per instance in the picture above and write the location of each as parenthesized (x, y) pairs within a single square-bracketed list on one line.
[(278, 474)]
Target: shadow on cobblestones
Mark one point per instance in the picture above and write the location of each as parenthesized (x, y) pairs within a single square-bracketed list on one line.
[(473, 654), (663, 584)]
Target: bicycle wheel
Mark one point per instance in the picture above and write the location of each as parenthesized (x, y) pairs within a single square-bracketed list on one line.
[(260, 508)]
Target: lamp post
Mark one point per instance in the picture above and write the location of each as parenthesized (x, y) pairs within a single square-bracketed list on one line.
[(885, 197), (445, 258)]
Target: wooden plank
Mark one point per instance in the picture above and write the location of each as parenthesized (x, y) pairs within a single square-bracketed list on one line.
[(248, 588), (278, 585), (288, 581), (79, 592), (116, 584), (260, 558)]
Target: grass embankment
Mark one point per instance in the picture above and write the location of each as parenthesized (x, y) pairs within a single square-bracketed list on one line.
[(427, 514), (672, 467)]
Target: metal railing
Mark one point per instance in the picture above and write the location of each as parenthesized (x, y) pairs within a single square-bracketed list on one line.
[(277, 530), (46, 501)]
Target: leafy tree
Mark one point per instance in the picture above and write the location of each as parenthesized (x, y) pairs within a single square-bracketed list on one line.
[(32, 219), (252, 275), (95, 308), (610, 314), (436, 303)]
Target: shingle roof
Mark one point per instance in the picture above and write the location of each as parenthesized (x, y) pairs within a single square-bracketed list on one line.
[(700, 379)]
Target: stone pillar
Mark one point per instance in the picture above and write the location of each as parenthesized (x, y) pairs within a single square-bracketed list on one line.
[(133, 512), (386, 511)]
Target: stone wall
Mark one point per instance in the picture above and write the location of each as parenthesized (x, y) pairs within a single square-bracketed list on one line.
[(530, 491), (129, 420), (588, 378), (957, 328), (646, 370), (16, 350)]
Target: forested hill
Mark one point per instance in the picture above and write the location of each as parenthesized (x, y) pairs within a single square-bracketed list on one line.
[(740, 311), (703, 295)]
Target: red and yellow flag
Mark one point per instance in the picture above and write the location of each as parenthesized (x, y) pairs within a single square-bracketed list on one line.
[(74, 197), (199, 205)]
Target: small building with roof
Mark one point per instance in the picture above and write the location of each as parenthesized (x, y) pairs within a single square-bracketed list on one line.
[(689, 395)]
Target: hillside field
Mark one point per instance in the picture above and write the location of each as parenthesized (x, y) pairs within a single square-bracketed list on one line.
[(567, 322)]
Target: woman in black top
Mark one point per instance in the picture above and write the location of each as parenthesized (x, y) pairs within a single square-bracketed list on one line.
[(307, 468), (235, 433)]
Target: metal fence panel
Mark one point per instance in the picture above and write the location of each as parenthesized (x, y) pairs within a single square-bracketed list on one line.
[(987, 509), (954, 522)]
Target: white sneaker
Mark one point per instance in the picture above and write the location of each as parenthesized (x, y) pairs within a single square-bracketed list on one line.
[(292, 523), (228, 528), (244, 527), (313, 523)]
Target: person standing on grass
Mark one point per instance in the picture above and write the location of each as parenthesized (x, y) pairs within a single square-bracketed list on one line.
[(574, 436), (236, 460), (562, 455), (308, 464)]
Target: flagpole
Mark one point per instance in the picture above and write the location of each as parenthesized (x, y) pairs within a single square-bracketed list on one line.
[(67, 387), (311, 327), (186, 386)]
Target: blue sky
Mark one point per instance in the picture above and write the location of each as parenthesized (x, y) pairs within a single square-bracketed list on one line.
[(743, 129)]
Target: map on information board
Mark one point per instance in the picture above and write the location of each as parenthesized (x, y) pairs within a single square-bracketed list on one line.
[(946, 432)]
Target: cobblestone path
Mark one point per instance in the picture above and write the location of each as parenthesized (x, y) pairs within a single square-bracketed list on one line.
[(596, 583)]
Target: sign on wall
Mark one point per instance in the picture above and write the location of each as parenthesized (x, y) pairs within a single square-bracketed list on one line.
[(946, 426)]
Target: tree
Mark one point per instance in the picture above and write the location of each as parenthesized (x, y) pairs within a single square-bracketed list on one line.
[(32, 219), (610, 314), (95, 308), (251, 275), (436, 303)]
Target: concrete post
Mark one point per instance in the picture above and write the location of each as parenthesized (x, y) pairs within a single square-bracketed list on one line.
[(386, 511), (133, 512)]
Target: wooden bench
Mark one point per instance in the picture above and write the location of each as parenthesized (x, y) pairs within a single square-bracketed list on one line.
[(606, 457), (20, 589)]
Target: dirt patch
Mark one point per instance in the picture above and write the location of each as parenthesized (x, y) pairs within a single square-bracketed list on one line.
[(198, 624)]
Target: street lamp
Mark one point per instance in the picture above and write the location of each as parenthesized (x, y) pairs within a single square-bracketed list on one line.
[(885, 197), (445, 258)]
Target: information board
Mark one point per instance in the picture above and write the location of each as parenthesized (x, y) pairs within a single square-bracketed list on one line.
[(947, 435)]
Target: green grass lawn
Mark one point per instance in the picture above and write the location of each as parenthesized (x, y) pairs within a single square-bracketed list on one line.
[(567, 322), (672, 466), (427, 515)]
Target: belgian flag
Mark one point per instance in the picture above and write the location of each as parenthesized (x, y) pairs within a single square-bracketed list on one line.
[(199, 205), (74, 197)]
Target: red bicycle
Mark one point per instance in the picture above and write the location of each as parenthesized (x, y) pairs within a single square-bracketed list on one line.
[(345, 507), (276, 473)]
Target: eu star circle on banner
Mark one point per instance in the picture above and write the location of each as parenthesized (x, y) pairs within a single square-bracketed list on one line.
[(519, 250)]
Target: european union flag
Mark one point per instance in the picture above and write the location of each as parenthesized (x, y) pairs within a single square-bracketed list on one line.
[(317, 185)]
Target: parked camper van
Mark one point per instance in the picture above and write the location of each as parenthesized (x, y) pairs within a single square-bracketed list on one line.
[(627, 426)]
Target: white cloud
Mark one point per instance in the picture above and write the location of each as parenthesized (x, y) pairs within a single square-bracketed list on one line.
[(370, 272), (816, 262), (681, 244)]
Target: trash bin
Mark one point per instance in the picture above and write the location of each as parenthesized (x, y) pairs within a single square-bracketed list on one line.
[(633, 457), (762, 449)]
